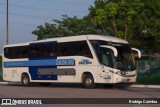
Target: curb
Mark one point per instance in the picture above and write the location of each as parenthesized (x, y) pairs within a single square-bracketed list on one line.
[(132, 86), (3, 82), (10, 83), (145, 86)]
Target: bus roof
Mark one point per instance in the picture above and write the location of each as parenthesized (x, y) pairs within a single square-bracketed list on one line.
[(106, 38), (74, 38)]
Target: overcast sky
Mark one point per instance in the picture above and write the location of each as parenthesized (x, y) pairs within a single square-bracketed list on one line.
[(26, 15)]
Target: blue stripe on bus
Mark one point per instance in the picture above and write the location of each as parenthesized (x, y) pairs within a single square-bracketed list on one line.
[(42, 62), (48, 62)]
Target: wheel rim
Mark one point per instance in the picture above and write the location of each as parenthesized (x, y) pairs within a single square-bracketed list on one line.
[(88, 81), (25, 80)]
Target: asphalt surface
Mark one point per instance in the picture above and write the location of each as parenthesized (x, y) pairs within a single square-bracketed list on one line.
[(75, 91)]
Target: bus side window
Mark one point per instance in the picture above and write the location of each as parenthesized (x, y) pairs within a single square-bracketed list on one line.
[(43, 50), (84, 50), (72, 50), (33, 53), (22, 52), (49, 50), (53, 52), (62, 49), (77, 48), (105, 57), (16, 52)]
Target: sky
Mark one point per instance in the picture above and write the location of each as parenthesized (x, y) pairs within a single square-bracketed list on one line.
[(26, 15)]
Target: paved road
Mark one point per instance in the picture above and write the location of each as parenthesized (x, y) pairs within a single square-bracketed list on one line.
[(74, 91)]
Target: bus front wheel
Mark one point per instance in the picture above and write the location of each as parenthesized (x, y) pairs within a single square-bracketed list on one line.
[(88, 81), (25, 80)]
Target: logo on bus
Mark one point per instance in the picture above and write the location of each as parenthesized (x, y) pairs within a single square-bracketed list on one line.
[(85, 61)]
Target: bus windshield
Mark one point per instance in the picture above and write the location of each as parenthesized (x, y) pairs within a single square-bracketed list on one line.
[(124, 61)]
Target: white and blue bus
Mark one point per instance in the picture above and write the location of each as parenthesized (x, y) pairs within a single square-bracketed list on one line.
[(86, 59)]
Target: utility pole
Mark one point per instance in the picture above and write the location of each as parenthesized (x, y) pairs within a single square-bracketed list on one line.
[(7, 33)]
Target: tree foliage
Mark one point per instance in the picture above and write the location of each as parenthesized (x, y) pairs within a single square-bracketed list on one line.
[(136, 21), (68, 26), (117, 18)]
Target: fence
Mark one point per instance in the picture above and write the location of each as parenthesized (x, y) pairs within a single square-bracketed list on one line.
[(0, 68), (151, 62)]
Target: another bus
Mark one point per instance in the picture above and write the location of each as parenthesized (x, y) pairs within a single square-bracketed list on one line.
[(86, 59)]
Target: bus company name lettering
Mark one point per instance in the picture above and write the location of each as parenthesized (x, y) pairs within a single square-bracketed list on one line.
[(65, 62)]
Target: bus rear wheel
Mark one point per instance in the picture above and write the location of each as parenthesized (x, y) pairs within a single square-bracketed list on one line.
[(88, 81), (25, 80)]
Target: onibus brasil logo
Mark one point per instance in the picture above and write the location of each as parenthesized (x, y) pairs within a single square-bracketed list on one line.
[(19, 102)]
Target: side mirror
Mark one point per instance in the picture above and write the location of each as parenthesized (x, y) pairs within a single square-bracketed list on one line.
[(138, 51), (112, 48)]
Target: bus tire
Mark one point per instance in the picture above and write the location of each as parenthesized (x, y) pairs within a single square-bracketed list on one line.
[(88, 81), (25, 80)]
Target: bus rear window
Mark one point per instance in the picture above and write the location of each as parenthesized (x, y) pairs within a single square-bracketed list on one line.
[(16, 52)]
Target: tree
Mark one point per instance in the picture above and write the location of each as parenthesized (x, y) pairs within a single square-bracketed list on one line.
[(117, 17), (66, 27), (149, 26), (136, 21)]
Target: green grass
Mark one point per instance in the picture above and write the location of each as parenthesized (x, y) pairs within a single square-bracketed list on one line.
[(148, 79), (1, 78), (0, 62)]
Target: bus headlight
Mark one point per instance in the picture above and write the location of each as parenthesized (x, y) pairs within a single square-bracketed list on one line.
[(115, 71)]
